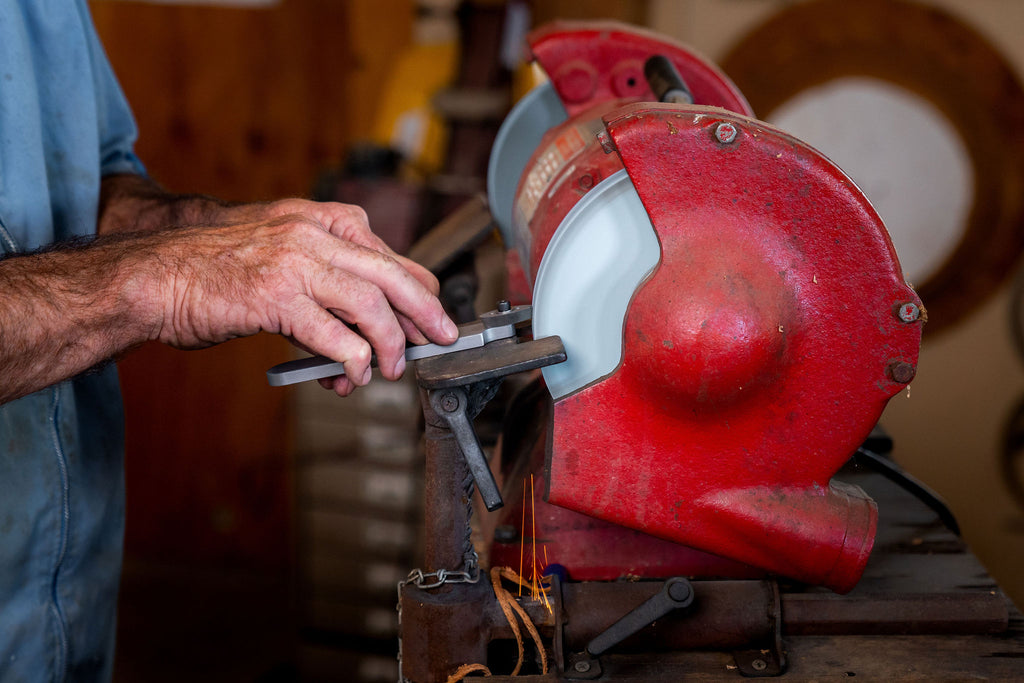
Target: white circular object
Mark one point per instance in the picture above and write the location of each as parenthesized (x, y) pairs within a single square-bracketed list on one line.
[(602, 251), (520, 134), (902, 152)]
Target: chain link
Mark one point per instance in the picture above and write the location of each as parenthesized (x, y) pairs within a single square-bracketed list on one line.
[(418, 577)]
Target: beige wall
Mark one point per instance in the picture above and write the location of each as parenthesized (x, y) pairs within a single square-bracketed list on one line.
[(949, 431)]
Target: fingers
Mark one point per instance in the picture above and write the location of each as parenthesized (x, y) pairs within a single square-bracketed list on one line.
[(361, 302), (360, 280), (350, 222), (425, 277), (412, 333), (322, 333), (405, 293), (341, 385)]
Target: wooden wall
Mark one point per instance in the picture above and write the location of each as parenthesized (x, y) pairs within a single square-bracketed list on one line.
[(630, 11), (246, 104)]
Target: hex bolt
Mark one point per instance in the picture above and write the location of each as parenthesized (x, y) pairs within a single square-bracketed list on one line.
[(901, 372), (506, 533), (582, 667), (725, 132), (759, 665), (909, 312), (504, 306), (680, 591), (450, 403)]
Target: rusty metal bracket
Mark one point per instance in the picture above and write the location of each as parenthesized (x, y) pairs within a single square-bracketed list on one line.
[(677, 593), (448, 623), (770, 658), (460, 384)]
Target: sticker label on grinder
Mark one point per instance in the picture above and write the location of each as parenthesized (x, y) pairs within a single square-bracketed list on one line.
[(549, 164)]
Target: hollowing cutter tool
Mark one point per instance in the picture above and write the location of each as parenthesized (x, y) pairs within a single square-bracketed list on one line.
[(492, 326)]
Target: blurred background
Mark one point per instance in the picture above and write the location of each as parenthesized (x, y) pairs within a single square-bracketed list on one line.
[(268, 528)]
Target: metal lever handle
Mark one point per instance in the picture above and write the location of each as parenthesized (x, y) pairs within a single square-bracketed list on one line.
[(450, 405), (665, 81), (677, 593)]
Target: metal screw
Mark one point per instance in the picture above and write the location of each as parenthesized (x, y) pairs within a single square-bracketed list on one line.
[(504, 306), (607, 145), (582, 667), (909, 312), (725, 132), (450, 403), (901, 372), (759, 665)]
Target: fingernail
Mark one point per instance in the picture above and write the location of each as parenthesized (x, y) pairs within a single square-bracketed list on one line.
[(366, 376), (400, 366), (450, 328)]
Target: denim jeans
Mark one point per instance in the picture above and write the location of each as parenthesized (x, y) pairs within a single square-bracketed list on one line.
[(61, 530)]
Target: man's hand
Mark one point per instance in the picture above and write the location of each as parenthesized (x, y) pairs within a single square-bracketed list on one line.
[(313, 272), (192, 271)]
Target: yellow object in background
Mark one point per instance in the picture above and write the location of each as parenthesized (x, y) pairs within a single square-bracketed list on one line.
[(525, 78), (407, 121)]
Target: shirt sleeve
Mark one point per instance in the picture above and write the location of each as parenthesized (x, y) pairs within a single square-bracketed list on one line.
[(117, 129)]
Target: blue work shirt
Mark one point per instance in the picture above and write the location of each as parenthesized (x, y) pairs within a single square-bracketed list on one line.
[(64, 123)]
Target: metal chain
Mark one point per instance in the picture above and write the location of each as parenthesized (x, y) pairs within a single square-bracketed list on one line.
[(418, 578)]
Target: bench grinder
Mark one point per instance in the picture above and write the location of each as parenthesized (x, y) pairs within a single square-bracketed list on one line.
[(733, 312)]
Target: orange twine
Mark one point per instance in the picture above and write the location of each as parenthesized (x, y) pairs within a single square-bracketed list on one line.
[(467, 669), (508, 605), (509, 608)]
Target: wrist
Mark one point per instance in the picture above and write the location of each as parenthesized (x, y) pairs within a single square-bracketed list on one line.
[(137, 286)]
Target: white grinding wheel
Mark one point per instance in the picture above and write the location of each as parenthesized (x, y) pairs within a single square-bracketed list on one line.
[(520, 134), (602, 251)]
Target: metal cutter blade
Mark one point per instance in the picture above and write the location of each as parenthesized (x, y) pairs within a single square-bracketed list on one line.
[(492, 326)]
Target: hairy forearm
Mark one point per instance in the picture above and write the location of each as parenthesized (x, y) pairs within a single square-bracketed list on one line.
[(66, 310), (133, 203), (72, 307), (192, 271)]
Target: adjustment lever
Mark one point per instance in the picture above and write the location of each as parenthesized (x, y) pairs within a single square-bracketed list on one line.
[(665, 81), (677, 593), (450, 405)]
